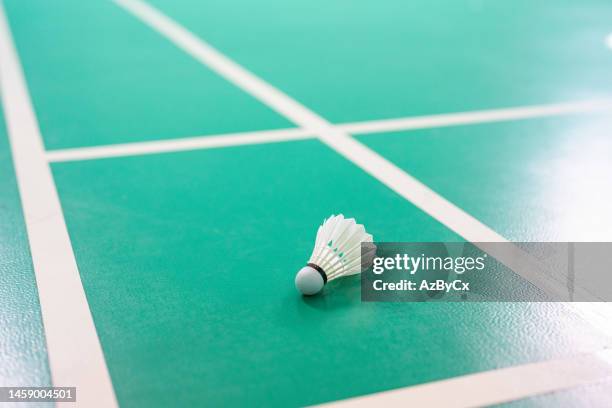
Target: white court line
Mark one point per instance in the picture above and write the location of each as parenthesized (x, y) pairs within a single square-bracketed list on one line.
[(177, 145), (365, 127), (75, 355), (340, 141), (481, 116), (495, 386)]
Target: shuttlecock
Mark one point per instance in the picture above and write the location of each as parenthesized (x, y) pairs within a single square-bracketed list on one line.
[(337, 253)]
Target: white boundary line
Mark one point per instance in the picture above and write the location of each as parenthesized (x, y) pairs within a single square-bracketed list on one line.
[(337, 139), (75, 354), (365, 127), (495, 386)]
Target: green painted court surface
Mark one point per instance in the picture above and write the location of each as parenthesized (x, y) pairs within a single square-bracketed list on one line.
[(188, 258)]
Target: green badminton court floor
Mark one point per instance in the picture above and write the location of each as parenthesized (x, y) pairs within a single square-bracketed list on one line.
[(187, 256)]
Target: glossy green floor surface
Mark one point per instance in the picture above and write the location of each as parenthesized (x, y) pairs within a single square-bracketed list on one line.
[(188, 258), (101, 77), (351, 61), (547, 179), (598, 394), (189, 271)]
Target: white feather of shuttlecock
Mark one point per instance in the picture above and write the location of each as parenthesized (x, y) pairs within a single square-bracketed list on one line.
[(337, 247)]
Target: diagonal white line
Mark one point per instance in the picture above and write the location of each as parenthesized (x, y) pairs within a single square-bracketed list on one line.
[(334, 137), (75, 355), (495, 386), (370, 161), (365, 127), (337, 139), (383, 170)]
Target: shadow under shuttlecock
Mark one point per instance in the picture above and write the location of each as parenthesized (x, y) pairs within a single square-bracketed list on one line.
[(337, 294)]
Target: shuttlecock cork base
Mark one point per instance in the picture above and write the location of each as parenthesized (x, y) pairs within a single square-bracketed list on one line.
[(337, 253), (310, 279)]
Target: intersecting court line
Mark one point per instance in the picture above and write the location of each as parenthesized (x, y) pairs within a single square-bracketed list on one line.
[(75, 354), (339, 140), (365, 127), (371, 162)]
